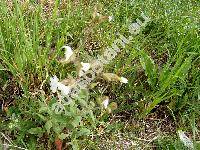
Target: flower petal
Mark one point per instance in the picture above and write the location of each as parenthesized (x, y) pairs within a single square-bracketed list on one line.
[(64, 89), (123, 80), (54, 84), (186, 141), (105, 103), (68, 52), (85, 66), (110, 18)]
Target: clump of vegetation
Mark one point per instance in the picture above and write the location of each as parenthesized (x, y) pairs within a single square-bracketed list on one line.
[(147, 96)]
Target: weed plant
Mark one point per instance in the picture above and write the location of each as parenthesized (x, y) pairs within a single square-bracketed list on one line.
[(161, 63)]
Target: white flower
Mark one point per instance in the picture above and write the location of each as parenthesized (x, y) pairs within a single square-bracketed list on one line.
[(64, 89), (105, 103), (186, 141), (53, 84), (123, 80), (68, 52), (85, 67), (110, 18)]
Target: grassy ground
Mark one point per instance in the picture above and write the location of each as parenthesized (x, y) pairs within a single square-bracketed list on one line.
[(161, 63)]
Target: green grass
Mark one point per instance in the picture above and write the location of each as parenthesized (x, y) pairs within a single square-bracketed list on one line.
[(161, 63)]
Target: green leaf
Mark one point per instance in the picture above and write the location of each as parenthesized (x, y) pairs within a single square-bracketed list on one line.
[(42, 117), (61, 119), (183, 70), (56, 128), (36, 130), (92, 118), (63, 136), (76, 121), (82, 101), (180, 73), (48, 126), (43, 109), (75, 144), (82, 131), (149, 67)]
